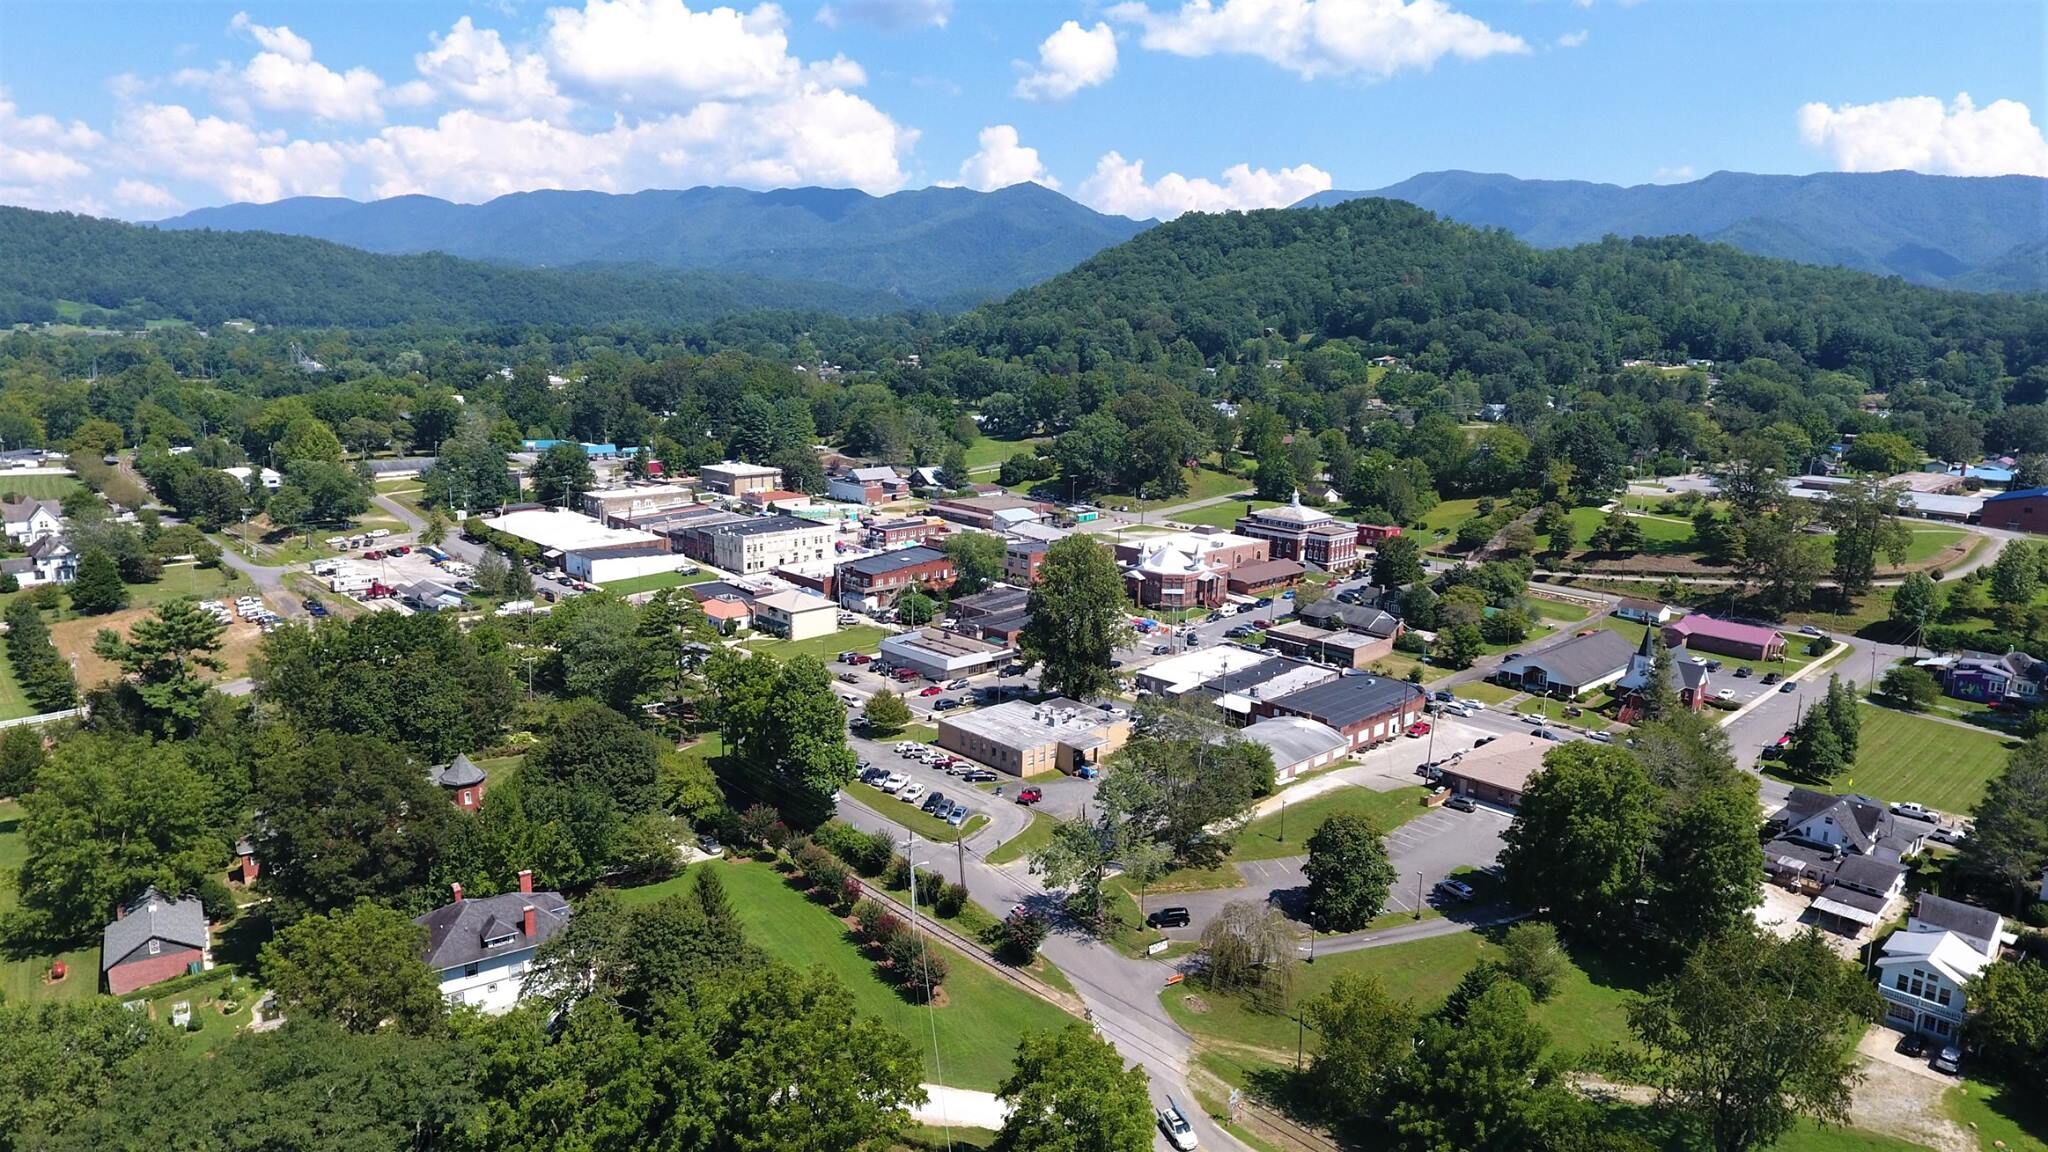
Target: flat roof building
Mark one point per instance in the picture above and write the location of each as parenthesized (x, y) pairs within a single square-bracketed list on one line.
[(560, 531), (940, 655), (759, 543), (613, 505), (1176, 675), (732, 478), (1366, 709), (874, 583), (1025, 739), (1345, 649), (991, 512), (1298, 745)]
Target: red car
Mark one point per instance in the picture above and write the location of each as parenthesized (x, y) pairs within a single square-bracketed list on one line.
[(1419, 728), (1029, 796), (931, 690), (906, 675)]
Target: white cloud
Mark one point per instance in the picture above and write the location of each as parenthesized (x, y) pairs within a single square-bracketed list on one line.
[(1373, 38), (233, 158), (1070, 59), (472, 67), (1673, 174), (1920, 134), (42, 159), (1003, 161), (1118, 186), (284, 77), (1573, 39), (890, 15), (663, 53), (143, 194)]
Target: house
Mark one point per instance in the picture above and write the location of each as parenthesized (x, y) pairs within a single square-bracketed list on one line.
[(1855, 824), (940, 655), (615, 505), (268, 477), (1335, 614), (482, 948), (1498, 773), (869, 486), (462, 780), (777, 500), (1309, 535), (731, 478), (1703, 633), (1373, 535), (898, 531), (1573, 668), (873, 583), (1345, 649), (1644, 611), (2014, 678), (1925, 971), (1366, 709), (1021, 738), (28, 520), (1298, 745), (729, 614), (1022, 560), (1264, 578), (49, 561), (427, 596), (1849, 849), (796, 615), (246, 868), (151, 939), (2024, 510)]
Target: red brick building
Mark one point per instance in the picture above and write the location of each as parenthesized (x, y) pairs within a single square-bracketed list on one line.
[(897, 531), (151, 939), (874, 582), (1264, 578), (1186, 569), (463, 781), (1370, 535), (2025, 510), (1309, 535), (1022, 559)]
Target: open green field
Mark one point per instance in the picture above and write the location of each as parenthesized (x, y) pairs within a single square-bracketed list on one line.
[(865, 638), (2005, 1118), (12, 702), (1446, 516), (991, 450), (655, 581), (1286, 832), (39, 487), (1927, 542), (1203, 484), (1659, 1133), (1486, 692), (21, 977), (1557, 611), (1662, 535), (178, 580), (1224, 515), (978, 1027), (1900, 756)]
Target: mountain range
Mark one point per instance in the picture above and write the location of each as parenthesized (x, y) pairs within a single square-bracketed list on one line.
[(938, 247), (1976, 233)]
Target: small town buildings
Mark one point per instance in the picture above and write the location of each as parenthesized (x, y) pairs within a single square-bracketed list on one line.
[(873, 583), (1022, 560), (463, 781), (895, 532), (1220, 551), (151, 939), (428, 596), (559, 532), (2024, 510), (1021, 738), (795, 615), (1186, 569), (1237, 694), (1366, 709), (1644, 611), (937, 654), (2014, 678), (629, 501), (270, 478), (1849, 849), (609, 562), (1692, 681), (1499, 772), (1345, 649), (1309, 535), (1702, 633), (777, 499), (760, 543), (991, 513), (1298, 745), (997, 614), (50, 560), (1925, 971), (28, 520), (869, 486), (1337, 615), (1264, 578), (729, 614), (1177, 675), (482, 948), (1373, 535), (731, 478), (1573, 668), (1932, 482)]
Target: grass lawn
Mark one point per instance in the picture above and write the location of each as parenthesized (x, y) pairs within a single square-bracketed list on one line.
[(1024, 843), (299, 548), (1203, 484), (977, 1028), (1553, 710), (1447, 515), (991, 450), (21, 977), (657, 580), (2002, 1117), (178, 580), (39, 487), (1558, 610), (1900, 756), (1662, 535), (12, 702), (865, 638), (1487, 692), (929, 827), (1929, 542), (497, 768), (1224, 515), (1398, 664), (1286, 832), (1657, 1129)]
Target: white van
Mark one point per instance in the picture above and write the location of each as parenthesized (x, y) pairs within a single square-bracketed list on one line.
[(1227, 610)]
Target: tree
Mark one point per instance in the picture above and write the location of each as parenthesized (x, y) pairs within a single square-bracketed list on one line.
[(161, 659), (562, 474), (1754, 1033), (1076, 618), (97, 589), (1815, 751), (434, 529), (1471, 1079), (1916, 602), (1580, 837), (1184, 784), (1461, 645), (886, 713), (1069, 1091), (1865, 517), (58, 1060), (308, 438), (1884, 453), (1532, 956), (1707, 869), (1555, 523), (21, 757), (44, 675), (2009, 1018), (1617, 533), (1909, 687), (1275, 479), (977, 560), (1249, 946), (1844, 716), (346, 818), (2009, 842), (491, 570), (2015, 578), (806, 756), (1366, 1038), (914, 608), (801, 469), (357, 968), (1398, 563), (1348, 873)]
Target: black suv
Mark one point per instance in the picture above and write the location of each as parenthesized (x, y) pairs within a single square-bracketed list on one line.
[(1175, 917)]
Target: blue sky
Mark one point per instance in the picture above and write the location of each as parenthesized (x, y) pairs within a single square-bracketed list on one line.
[(1145, 107)]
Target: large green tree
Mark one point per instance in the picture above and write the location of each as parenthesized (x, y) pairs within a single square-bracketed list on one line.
[(161, 659), (1398, 562), (1069, 1091), (1348, 872), (2009, 1018), (356, 968), (97, 589), (1865, 519), (1077, 618), (58, 1060), (977, 560), (562, 474), (2009, 842), (1582, 836)]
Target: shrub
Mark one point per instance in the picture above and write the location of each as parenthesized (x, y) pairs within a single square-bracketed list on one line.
[(919, 968), (887, 929), (2036, 915), (867, 918), (896, 876), (779, 834), (1533, 958), (811, 859), (950, 899), (1017, 938), (849, 892), (754, 824)]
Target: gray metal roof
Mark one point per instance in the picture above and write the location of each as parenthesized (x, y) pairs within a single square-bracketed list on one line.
[(1349, 699), (153, 915), (764, 525), (459, 773), (883, 563), (456, 933), (1294, 739), (1584, 659), (1356, 617)]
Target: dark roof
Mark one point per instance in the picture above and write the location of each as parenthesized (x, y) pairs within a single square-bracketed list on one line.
[(458, 773), (718, 590), (763, 525), (2017, 494), (1962, 919), (1867, 872), (1863, 820), (456, 932), (1356, 617), (1583, 659), (630, 548), (1001, 599), (1347, 700), (883, 563), (1264, 570), (1856, 898), (1692, 674), (153, 915), (1253, 676)]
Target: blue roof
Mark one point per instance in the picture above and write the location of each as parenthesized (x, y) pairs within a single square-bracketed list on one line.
[(1991, 472), (2020, 494)]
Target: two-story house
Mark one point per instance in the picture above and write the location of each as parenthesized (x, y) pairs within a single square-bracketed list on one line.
[(873, 583), (1925, 972), (481, 949), (28, 521)]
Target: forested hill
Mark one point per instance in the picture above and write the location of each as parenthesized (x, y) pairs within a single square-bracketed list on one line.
[(143, 274), (943, 247), (1452, 298), (1981, 233)]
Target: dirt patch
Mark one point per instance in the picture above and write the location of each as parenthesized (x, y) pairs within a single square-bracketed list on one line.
[(74, 638), (1907, 1105), (1195, 1004)]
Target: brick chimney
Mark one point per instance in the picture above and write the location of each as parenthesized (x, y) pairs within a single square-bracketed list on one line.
[(526, 915), (526, 880), (457, 889)]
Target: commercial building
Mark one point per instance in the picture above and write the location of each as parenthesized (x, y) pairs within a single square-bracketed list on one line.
[(1025, 739), (1499, 772), (1702, 633), (760, 543), (1309, 535), (1573, 668), (1366, 709), (729, 614), (1180, 674), (870, 486), (2025, 510), (1344, 649), (940, 655), (897, 531), (1335, 614), (620, 561), (795, 615), (559, 532), (1297, 745), (616, 505), (731, 478), (2014, 678), (151, 939), (780, 499), (480, 949), (991, 513), (1371, 535), (1264, 578), (997, 615), (1022, 559), (1238, 694), (1644, 611), (873, 583)]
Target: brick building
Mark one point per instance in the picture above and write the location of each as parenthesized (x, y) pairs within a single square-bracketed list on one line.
[(873, 583), (151, 939), (1309, 535)]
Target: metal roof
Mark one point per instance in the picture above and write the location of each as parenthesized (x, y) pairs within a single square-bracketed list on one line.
[(1347, 700)]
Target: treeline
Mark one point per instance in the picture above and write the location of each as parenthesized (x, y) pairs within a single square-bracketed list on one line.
[(41, 671)]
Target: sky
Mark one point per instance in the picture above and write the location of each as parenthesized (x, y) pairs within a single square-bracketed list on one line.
[(1145, 108)]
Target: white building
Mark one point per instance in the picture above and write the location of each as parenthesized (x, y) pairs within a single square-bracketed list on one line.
[(1925, 972), (940, 655), (1298, 745), (559, 532), (30, 520), (482, 948), (268, 477), (767, 542), (632, 500), (732, 478), (1177, 674), (796, 615), (621, 561)]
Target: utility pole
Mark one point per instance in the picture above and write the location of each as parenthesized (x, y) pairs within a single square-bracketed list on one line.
[(1418, 895), (960, 850)]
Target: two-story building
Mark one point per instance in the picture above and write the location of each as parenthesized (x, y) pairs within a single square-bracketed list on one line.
[(873, 583), (760, 543), (28, 520), (481, 949), (2023, 510), (732, 478), (1022, 559), (795, 615), (1925, 971), (1368, 710), (1309, 535), (896, 531), (873, 485)]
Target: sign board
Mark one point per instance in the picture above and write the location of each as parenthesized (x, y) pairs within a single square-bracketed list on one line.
[(1156, 947)]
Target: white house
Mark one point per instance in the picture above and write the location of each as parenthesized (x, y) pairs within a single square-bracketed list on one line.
[(1925, 972), (30, 520), (482, 948), (49, 561), (270, 478)]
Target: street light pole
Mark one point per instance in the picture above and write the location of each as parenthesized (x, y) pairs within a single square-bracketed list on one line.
[(1418, 895)]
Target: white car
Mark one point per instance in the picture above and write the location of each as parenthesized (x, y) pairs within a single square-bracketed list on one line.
[(1474, 705), (1725, 694), (1178, 1132), (911, 792), (1951, 835), (895, 782), (1600, 737)]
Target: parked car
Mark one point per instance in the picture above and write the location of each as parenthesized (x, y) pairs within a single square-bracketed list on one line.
[(1454, 889), (894, 782), (1789, 686), (946, 705), (1264, 602), (978, 776), (1713, 665), (1483, 741), (1742, 673), (1419, 728), (1161, 649), (958, 815), (935, 800), (849, 677), (1461, 803), (1550, 734), (1949, 1060), (1809, 630), (1953, 835), (930, 690), (1914, 1045), (1772, 677), (1029, 795), (1725, 694), (1175, 917), (911, 792), (1600, 737), (547, 595)]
